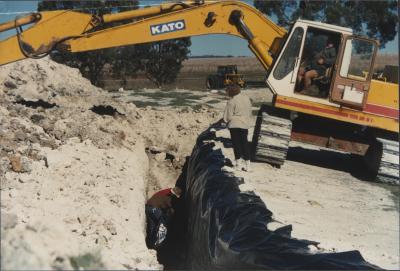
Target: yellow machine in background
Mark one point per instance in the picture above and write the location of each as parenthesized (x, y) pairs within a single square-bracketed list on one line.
[(348, 111), (226, 75)]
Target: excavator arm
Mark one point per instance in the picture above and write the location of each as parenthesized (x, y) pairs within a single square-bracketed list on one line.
[(73, 31)]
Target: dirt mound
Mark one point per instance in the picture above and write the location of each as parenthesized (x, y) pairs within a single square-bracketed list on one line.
[(44, 79), (85, 201), (74, 171)]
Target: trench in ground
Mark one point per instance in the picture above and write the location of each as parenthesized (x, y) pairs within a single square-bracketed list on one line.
[(164, 169)]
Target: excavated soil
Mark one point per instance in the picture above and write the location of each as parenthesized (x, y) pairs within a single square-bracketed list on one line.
[(76, 167)]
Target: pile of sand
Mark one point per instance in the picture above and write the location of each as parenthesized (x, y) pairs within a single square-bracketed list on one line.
[(73, 169), (44, 79), (85, 201)]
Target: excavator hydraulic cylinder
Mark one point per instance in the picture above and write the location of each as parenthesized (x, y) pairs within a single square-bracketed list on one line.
[(34, 17), (146, 12), (255, 44)]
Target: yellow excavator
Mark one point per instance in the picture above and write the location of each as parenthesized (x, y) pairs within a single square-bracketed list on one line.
[(226, 75), (346, 110)]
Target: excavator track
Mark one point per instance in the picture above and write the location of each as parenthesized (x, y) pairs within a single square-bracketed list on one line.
[(388, 171), (272, 137)]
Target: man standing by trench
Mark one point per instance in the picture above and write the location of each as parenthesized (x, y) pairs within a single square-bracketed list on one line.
[(237, 116)]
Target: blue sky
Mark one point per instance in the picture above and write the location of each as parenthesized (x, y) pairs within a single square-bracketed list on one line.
[(203, 45)]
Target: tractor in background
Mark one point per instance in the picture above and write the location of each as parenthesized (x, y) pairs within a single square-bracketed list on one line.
[(226, 75)]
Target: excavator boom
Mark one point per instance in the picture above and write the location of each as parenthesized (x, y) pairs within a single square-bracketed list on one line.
[(77, 32)]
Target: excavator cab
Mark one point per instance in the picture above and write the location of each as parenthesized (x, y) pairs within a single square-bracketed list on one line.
[(343, 78)]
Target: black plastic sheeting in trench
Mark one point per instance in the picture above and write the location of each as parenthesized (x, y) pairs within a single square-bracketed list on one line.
[(220, 227)]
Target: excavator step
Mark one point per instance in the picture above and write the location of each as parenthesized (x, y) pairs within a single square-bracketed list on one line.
[(272, 139), (388, 171)]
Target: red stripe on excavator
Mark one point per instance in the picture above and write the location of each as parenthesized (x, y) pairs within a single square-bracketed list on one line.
[(305, 106), (382, 110), (326, 111)]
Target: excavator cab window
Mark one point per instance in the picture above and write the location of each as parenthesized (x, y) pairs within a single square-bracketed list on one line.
[(317, 63), (289, 57), (358, 62)]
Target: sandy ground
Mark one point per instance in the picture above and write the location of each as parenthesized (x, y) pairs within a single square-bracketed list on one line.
[(176, 98), (324, 203)]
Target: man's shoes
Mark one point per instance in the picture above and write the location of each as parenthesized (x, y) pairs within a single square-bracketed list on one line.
[(247, 166), (238, 164)]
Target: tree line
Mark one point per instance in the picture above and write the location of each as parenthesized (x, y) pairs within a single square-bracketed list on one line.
[(159, 61), (377, 19), (162, 61)]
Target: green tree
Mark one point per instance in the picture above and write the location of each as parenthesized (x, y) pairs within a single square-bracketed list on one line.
[(164, 60), (126, 63), (90, 63), (160, 61), (376, 19)]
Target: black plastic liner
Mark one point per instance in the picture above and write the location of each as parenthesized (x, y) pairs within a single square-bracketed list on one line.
[(158, 221), (227, 228)]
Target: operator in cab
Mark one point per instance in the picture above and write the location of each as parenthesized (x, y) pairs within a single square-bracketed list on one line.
[(319, 66)]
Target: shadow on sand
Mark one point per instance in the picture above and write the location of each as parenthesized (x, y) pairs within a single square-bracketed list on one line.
[(346, 162)]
